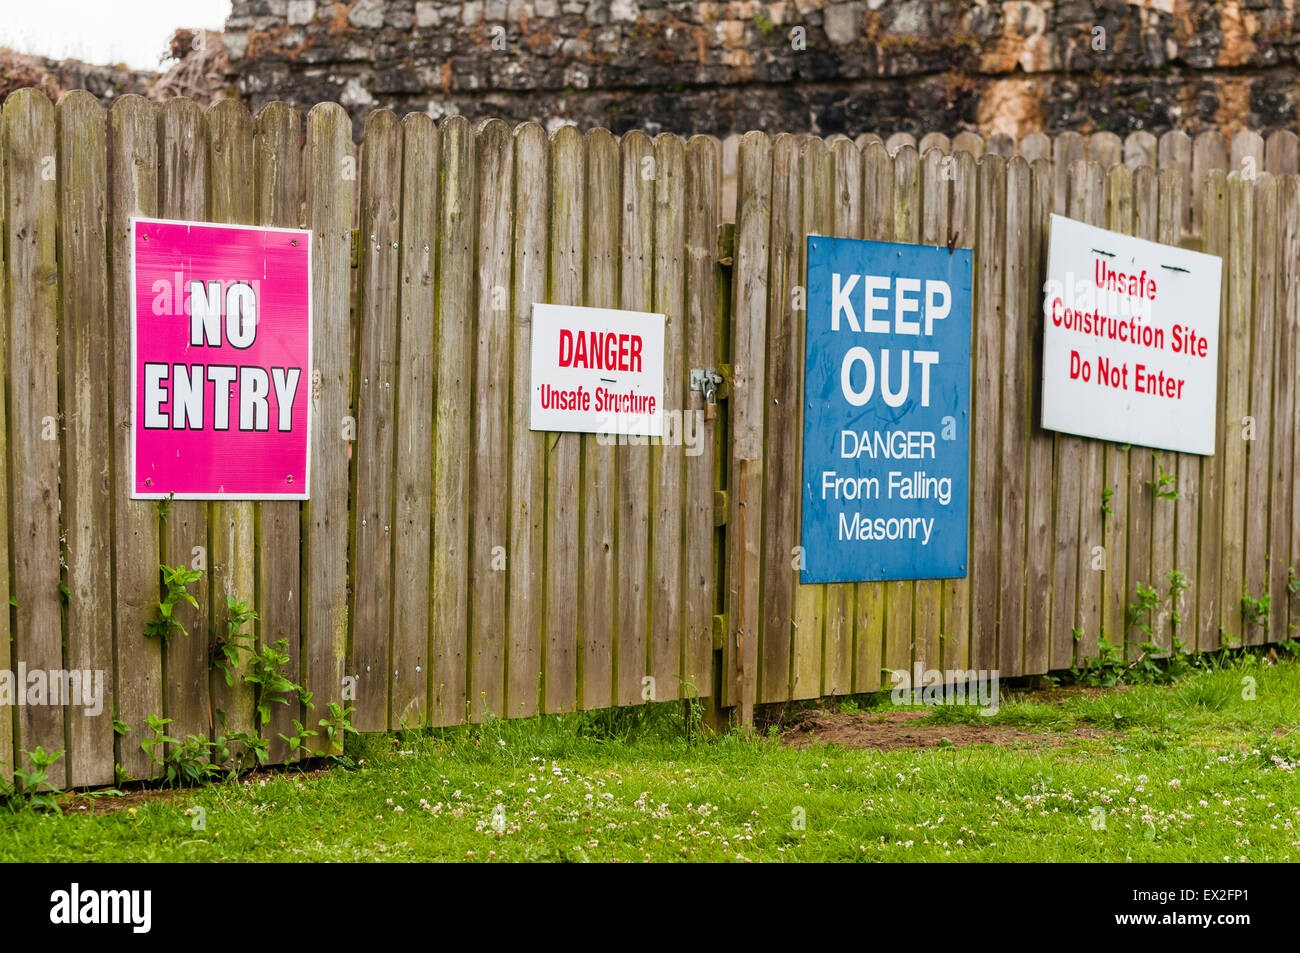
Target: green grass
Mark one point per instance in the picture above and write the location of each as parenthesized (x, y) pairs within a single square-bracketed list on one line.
[(1183, 772)]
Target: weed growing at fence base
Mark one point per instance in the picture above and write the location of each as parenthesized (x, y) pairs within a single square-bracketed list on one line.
[(1193, 770)]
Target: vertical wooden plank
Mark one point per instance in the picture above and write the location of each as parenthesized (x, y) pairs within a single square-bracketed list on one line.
[(413, 428), (780, 632), (934, 140), (900, 596), (231, 522), (1067, 466), (1068, 149), (702, 293), (1174, 151), (1090, 206), (1209, 150), (746, 406), (667, 460), (1118, 458), (1247, 154), (1235, 341), (730, 156), (869, 597), (969, 142), (452, 435), (329, 168), (182, 194), (563, 452), (842, 217), (1002, 144), (986, 361), (1105, 149), (632, 463), (1281, 546), (1013, 461), (1139, 149), (85, 359), (7, 733), (1142, 499), (277, 159), (376, 380), (1264, 340), (898, 141), (603, 562), (962, 232), (489, 495), (809, 198), (1036, 145), (935, 175), (1164, 518), (1282, 153), (1208, 605), (1181, 613), (525, 606), (31, 209), (1039, 543)]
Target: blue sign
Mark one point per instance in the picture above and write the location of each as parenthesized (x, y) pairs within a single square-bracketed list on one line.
[(886, 426)]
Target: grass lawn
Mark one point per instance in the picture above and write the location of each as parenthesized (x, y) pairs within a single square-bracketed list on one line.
[(1188, 771)]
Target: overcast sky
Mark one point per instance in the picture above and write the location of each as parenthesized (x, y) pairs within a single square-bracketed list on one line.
[(134, 32)]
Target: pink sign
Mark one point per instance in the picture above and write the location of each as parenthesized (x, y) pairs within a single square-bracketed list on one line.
[(221, 361)]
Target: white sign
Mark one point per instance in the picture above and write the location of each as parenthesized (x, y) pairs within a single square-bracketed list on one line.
[(597, 370), (1130, 339)]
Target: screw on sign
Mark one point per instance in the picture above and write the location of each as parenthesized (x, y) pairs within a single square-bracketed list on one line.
[(1130, 339)]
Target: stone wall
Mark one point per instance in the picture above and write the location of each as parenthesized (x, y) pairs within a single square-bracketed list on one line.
[(822, 66), (18, 70)]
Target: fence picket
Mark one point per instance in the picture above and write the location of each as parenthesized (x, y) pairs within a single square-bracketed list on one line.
[(182, 194), (277, 169), (1118, 459), (452, 436), (329, 169), (667, 460), (375, 386), (489, 491), (413, 424), (84, 361), (705, 310), (1263, 343), (806, 187), (231, 522), (631, 524), (563, 451), (525, 600)]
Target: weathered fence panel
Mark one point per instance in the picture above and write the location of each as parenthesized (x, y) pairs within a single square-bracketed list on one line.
[(1063, 529), (453, 565)]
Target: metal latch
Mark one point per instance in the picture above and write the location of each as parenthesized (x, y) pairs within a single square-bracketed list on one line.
[(707, 380)]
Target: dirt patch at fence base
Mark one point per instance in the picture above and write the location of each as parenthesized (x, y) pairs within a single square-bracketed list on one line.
[(137, 795), (884, 731)]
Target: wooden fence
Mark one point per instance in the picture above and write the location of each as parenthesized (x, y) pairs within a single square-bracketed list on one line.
[(1062, 529), (453, 565), (451, 562)]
